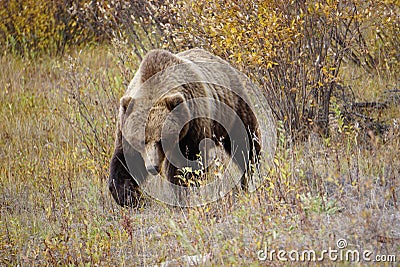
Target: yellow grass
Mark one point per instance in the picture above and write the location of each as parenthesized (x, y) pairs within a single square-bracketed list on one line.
[(57, 119)]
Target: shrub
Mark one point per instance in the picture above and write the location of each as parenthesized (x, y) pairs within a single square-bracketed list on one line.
[(294, 50), (32, 27)]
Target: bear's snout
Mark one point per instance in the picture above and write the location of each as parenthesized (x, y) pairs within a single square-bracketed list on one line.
[(153, 159)]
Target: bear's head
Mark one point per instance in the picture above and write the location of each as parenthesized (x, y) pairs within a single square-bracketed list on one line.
[(127, 167), (167, 124)]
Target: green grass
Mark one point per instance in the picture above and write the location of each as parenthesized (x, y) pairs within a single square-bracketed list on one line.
[(58, 118)]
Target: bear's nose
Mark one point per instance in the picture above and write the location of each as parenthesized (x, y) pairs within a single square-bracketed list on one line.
[(154, 169)]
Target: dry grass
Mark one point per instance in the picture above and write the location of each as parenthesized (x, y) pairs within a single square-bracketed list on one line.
[(57, 129)]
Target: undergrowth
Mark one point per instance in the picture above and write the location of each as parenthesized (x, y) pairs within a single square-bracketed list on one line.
[(58, 117)]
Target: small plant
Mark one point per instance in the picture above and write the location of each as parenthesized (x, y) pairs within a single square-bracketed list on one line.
[(319, 204), (188, 177)]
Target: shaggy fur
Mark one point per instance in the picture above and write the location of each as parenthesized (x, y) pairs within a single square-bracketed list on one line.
[(150, 154)]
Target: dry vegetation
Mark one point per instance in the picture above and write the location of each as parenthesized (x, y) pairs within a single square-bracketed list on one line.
[(58, 116)]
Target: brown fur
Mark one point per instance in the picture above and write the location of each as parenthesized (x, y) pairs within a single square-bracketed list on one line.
[(156, 61), (191, 134)]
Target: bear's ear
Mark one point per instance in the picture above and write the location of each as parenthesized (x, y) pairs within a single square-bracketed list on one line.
[(125, 101), (173, 100)]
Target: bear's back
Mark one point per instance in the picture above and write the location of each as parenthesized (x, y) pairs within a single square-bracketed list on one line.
[(200, 55)]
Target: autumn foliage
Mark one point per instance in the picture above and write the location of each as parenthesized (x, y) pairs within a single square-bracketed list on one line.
[(328, 68), (293, 49)]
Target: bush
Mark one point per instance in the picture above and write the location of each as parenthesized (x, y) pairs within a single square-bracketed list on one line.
[(293, 50), (32, 27)]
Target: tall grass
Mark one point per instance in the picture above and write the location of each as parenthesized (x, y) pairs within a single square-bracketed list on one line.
[(58, 118)]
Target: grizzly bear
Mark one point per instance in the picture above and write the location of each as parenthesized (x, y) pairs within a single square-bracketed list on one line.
[(167, 113)]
